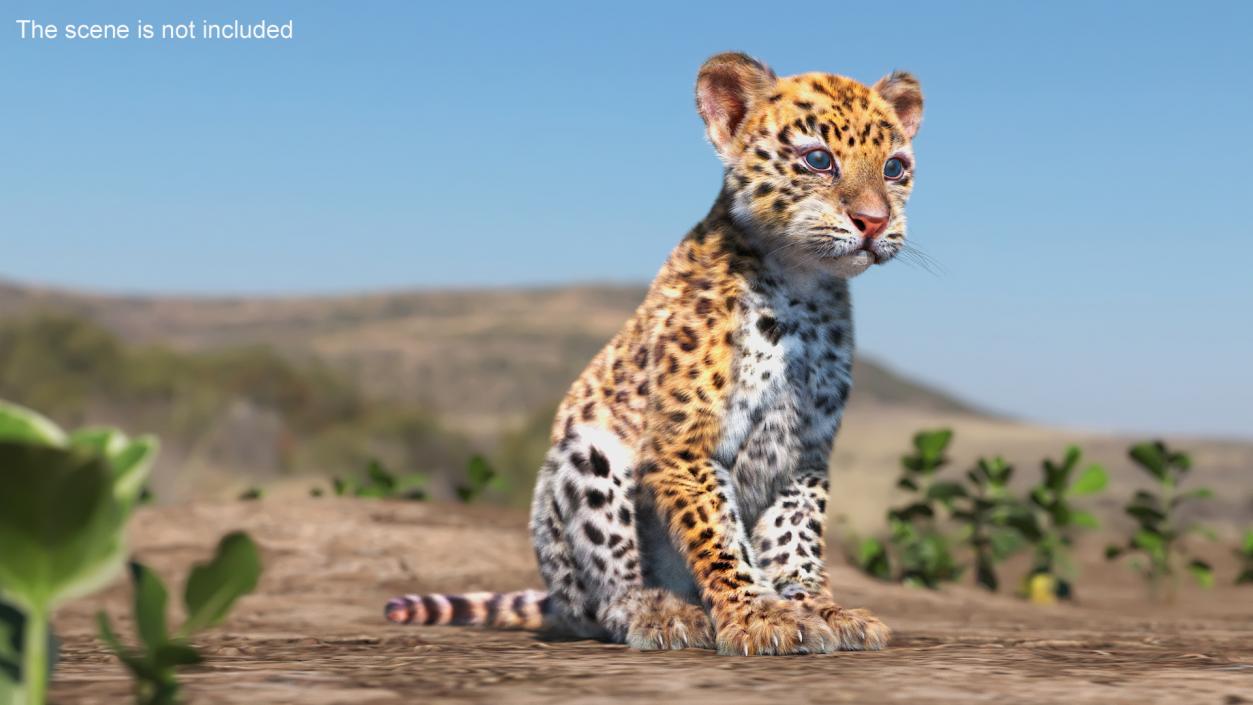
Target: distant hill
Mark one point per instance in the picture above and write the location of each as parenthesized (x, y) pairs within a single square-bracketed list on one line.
[(281, 391), (476, 357)]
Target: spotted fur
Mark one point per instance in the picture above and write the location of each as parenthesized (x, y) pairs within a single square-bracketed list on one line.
[(683, 501)]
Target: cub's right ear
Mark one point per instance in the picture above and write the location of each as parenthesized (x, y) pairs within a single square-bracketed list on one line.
[(727, 87)]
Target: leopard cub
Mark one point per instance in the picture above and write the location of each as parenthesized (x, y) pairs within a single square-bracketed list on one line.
[(683, 501)]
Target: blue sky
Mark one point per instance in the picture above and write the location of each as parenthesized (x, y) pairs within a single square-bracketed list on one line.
[(1083, 171)]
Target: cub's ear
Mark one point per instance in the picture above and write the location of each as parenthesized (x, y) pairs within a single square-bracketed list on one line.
[(902, 92), (727, 86)]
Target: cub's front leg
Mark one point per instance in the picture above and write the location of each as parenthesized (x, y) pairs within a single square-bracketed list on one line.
[(695, 499), (697, 504), (789, 542)]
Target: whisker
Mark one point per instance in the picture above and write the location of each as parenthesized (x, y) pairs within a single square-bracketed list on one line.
[(913, 255)]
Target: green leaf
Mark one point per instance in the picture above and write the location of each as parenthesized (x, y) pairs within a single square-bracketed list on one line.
[(176, 654), (1085, 520), (60, 524), (1147, 516), (932, 444), (213, 587), (380, 476), (150, 601), (1072, 458), (21, 425), (1151, 457), (131, 659), (1093, 479), (132, 467), (130, 460), (913, 511), (1202, 573), (1247, 546), (1200, 493), (1152, 543), (872, 558), (1112, 552), (946, 491), (906, 483)]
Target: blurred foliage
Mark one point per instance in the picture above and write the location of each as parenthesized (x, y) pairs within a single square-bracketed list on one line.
[(1245, 554), (949, 524), (1157, 545), (63, 509), (381, 483), (211, 590), (480, 477), (74, 370)]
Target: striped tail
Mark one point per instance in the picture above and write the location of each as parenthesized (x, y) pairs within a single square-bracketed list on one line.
[(524, 609)]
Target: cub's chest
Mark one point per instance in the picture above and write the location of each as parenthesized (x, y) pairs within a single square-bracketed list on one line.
[(793, 357)]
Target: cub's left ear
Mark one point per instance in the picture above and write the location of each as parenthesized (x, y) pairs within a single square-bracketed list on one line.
[(727, 88), (902, 92)]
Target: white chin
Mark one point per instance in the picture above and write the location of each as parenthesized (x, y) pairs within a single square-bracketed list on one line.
[(850, 266)]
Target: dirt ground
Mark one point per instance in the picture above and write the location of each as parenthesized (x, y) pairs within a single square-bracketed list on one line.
[(314, 631)]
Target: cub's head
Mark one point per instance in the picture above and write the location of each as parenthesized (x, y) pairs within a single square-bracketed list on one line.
[(818, 165)]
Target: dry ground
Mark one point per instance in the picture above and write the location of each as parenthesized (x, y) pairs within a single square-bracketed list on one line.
[(314, 632)]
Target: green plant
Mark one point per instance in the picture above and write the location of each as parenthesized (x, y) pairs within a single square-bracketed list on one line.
[(66, 499), (916, 551), (251, 494), (380, 482), (992, 522), (1159, 533), (1053, 522), (1245, 554), (212, 589), (480, 477), (988, 510)]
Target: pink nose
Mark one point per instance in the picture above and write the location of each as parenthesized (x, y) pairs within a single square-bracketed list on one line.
[(870, 224)]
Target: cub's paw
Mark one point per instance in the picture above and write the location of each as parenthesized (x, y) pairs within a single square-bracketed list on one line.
[(855, 629), (661, 620), (771, 626)]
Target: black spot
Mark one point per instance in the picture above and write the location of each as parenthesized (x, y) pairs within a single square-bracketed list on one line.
[(624, 515), (571, 492), (600, 465), (769, 327), (593, 534), (596, 499)]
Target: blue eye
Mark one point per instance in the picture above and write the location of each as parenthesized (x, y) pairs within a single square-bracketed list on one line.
[(894, 169), (819, 160)]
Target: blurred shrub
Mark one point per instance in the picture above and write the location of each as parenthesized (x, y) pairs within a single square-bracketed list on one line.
[(1157, 545), (74, 369), (212, 589), (947, 524)]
